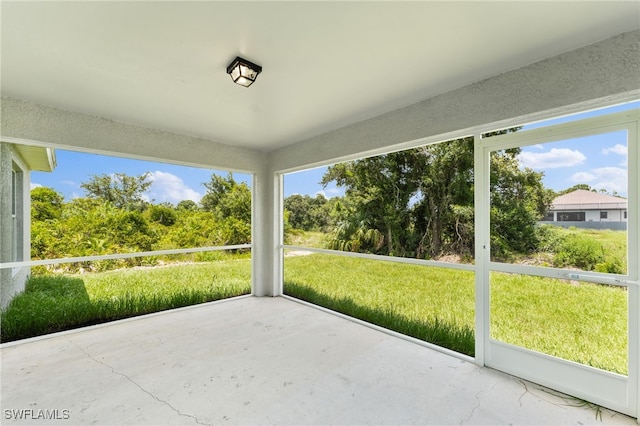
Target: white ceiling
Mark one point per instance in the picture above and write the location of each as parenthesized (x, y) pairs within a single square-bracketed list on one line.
[(325, 64)]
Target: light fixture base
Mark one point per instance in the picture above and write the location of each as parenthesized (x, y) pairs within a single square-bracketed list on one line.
[(243, 72)]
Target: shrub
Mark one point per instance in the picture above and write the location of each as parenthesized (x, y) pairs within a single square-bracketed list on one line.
[(211, 256), (550, 238), (163, 215), (576, 250), (611, 266)]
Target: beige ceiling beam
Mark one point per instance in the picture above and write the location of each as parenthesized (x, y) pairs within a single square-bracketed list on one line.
[(34, 124)]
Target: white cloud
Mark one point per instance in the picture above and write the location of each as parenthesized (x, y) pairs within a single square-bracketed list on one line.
[(582, 177), (608, 178), (617, 149), (34, 185), (167, 187), (620, 150), (556, 158), (330, 192)]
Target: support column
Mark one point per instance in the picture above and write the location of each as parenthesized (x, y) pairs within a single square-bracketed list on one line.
[(267, 233)]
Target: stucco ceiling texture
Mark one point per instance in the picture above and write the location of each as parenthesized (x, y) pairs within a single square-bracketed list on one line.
[(162, 65)]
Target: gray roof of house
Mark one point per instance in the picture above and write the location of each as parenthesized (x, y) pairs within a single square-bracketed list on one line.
[(587, 200)]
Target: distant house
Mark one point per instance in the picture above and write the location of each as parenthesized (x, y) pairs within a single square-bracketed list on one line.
[(16, 164), (589, 207)]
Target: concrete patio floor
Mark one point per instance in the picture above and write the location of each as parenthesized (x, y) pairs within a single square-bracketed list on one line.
[(262, 361)]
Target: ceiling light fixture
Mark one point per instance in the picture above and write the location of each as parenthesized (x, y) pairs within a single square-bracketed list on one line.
[(243, 72)]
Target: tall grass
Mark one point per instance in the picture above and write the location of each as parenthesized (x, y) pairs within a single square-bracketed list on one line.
[(602, 250), (432, 304), (56, 303), (460, 339), (581, 322)]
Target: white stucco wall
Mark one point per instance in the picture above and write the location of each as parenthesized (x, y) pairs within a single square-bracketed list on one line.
[(12, 280), (612, 216)]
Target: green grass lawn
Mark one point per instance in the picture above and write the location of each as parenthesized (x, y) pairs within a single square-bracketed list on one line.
[(56, 303), (580, 322), (432, 304), (307, 239)]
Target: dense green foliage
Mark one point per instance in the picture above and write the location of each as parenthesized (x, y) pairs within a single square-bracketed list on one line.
[(586, 249), (123, 191), (586, 187), (227, 198), (113, 218), (308, 214), (46, 204), (419, 202), (518, 201), (57, 303)]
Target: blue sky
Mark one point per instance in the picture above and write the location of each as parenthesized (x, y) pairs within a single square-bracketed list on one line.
[(599, 161), (171, 183)]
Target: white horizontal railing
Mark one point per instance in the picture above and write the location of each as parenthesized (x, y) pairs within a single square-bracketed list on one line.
[(564, 274), (422, 262), (119, 256)]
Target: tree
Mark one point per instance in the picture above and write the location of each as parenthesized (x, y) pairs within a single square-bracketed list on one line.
[(308, 214), (518, 201), (297, 207), (123, 191), (163, 215), (379, 190), (443, 213), (187, 205), (575, 188), (227, 198), (420, 202), (586, 187), (230, 202), (46, 204), (130, 231)]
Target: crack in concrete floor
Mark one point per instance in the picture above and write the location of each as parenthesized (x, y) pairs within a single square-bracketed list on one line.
[(479, 402), (113, 370)]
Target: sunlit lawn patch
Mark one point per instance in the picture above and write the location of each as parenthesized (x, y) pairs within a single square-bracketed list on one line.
[(580, 322), (55, 303), (433, 304)]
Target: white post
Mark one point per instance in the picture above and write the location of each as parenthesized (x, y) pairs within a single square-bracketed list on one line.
[(266, 234), (481, 173)]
